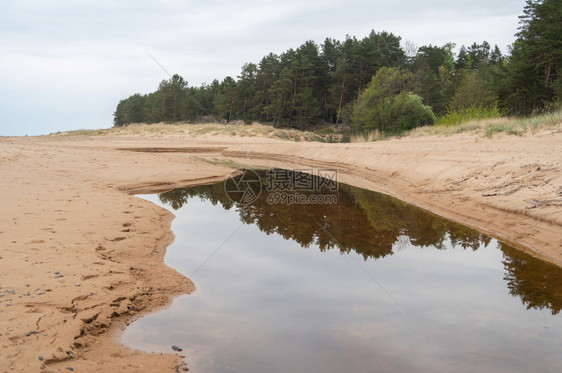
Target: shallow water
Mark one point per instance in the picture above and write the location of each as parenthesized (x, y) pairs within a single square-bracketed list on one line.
[(367, 284)]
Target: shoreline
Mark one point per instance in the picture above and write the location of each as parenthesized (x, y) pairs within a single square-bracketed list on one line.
[(367, 180), (68, 206)]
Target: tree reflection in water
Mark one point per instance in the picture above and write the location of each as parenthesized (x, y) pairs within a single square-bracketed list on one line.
[(374, 225)]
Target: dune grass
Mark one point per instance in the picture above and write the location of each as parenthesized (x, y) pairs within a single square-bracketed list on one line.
[(469, 114), (488, 127), (375, 135), (196, 130)]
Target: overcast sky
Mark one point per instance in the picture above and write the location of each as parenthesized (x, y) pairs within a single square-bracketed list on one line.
[(65, 64)]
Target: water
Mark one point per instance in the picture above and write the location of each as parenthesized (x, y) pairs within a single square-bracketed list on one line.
[(367, 284)]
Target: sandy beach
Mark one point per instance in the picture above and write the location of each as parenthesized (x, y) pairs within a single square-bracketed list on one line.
[(81, 256)]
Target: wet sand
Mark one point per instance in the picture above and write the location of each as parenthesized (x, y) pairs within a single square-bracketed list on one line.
[(81, 256)]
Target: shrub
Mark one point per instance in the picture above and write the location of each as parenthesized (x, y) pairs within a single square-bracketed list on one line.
[(471, 113)]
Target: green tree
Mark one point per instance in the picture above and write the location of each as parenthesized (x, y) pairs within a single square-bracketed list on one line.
[(541, 32), (532, 74), (193, 104), (479, 54), (205, 96), (388, 105), (472, 92), (130, 110), (225, 99), (341, 83), (268, 73), (153, 108), (410, 112), (463, 61), (308, 85), (247, 92), (307, 108), (280, 107), (433, 68), (172, 95)]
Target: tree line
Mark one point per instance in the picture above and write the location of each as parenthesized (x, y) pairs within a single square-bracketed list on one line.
[(374, 83)]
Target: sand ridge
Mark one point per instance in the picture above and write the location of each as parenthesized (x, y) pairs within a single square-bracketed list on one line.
[(81, 256)]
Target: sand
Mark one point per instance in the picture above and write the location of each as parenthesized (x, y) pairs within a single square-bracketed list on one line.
[(81, 256)]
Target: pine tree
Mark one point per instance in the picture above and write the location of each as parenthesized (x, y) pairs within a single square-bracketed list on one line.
[(280, 94), (225, 101), (533, 72)]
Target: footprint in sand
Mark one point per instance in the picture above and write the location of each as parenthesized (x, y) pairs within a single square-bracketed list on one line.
[(117, 239)]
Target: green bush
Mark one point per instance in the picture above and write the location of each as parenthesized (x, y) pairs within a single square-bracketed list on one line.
[(472, 113), (411, 112), (387, 105)]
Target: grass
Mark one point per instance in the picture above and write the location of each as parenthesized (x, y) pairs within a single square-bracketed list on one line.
[(254, 130), (375, 135), (473, 113), (486, 127), (489, 127), (100, 132), (196, 130), (157, 129), (205, 130)]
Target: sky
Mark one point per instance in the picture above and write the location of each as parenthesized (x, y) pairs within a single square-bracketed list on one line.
[(65, 64)]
